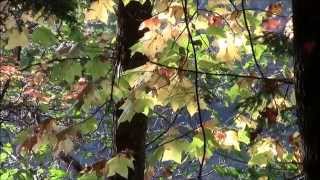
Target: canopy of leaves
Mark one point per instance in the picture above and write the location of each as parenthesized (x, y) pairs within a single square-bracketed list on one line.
[(217, 89)]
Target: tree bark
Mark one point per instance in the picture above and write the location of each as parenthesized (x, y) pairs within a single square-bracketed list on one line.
[(131, 136), (306, 20)]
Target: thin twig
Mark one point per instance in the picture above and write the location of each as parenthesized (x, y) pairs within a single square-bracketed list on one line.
[(250, 39), (51, 61), (164, 132), (283, 80)]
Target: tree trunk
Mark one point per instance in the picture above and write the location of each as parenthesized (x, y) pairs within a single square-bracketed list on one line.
[(306, 20), (131, 136)]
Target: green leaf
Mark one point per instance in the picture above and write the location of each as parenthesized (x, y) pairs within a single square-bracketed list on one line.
[(261, 159), (155, 156), (243, 136), (218, 32), (56, 174), (96, 68), (76, 35), (143, 105), (183, 41), (137, 47), (259, 50), (67, 70), (43, 36), (119, 165), (88, 126), (227, 171), (5, 151), (233, 92)]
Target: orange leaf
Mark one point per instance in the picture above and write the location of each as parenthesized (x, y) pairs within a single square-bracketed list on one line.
[(28, 144), (35, 94), (274, 9), (78, 90), (152, 23)]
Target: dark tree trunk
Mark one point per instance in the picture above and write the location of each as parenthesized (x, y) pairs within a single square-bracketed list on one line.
[(131, 136), (306, 20)]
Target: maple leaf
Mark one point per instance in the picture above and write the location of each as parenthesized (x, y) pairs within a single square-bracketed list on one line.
[(262, 152), (153, 43), (35, 94), (231, 139), (16, 38), (175, 12), (78, 90), (271, 114), (10, 22), (8, 70), (261, 159), (173, 151), (99, 10), (43, 36), (219, 135), (65, 146), (152, 24), (161, 5), (274, 9), (243, 121), (32, 138), (178, 94), (273, 24), (215, 21), (120, 165), (228, 53)]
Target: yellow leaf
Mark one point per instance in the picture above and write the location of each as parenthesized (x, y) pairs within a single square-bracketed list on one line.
[(173, 151), (201, 23), (228, 53), (263, 178), (242, 122), (192, 107), (10, 22), (232, 140), (176, 12), (128, 111), (66, 145), (99, 10), (161, 5), (16, 38), (119, 165), (153, 43)]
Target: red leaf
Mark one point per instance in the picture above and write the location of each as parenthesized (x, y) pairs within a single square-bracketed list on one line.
[(271, 114), (8, 70), (215, 21), (219, 135), (272, 24), (167, 73)]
